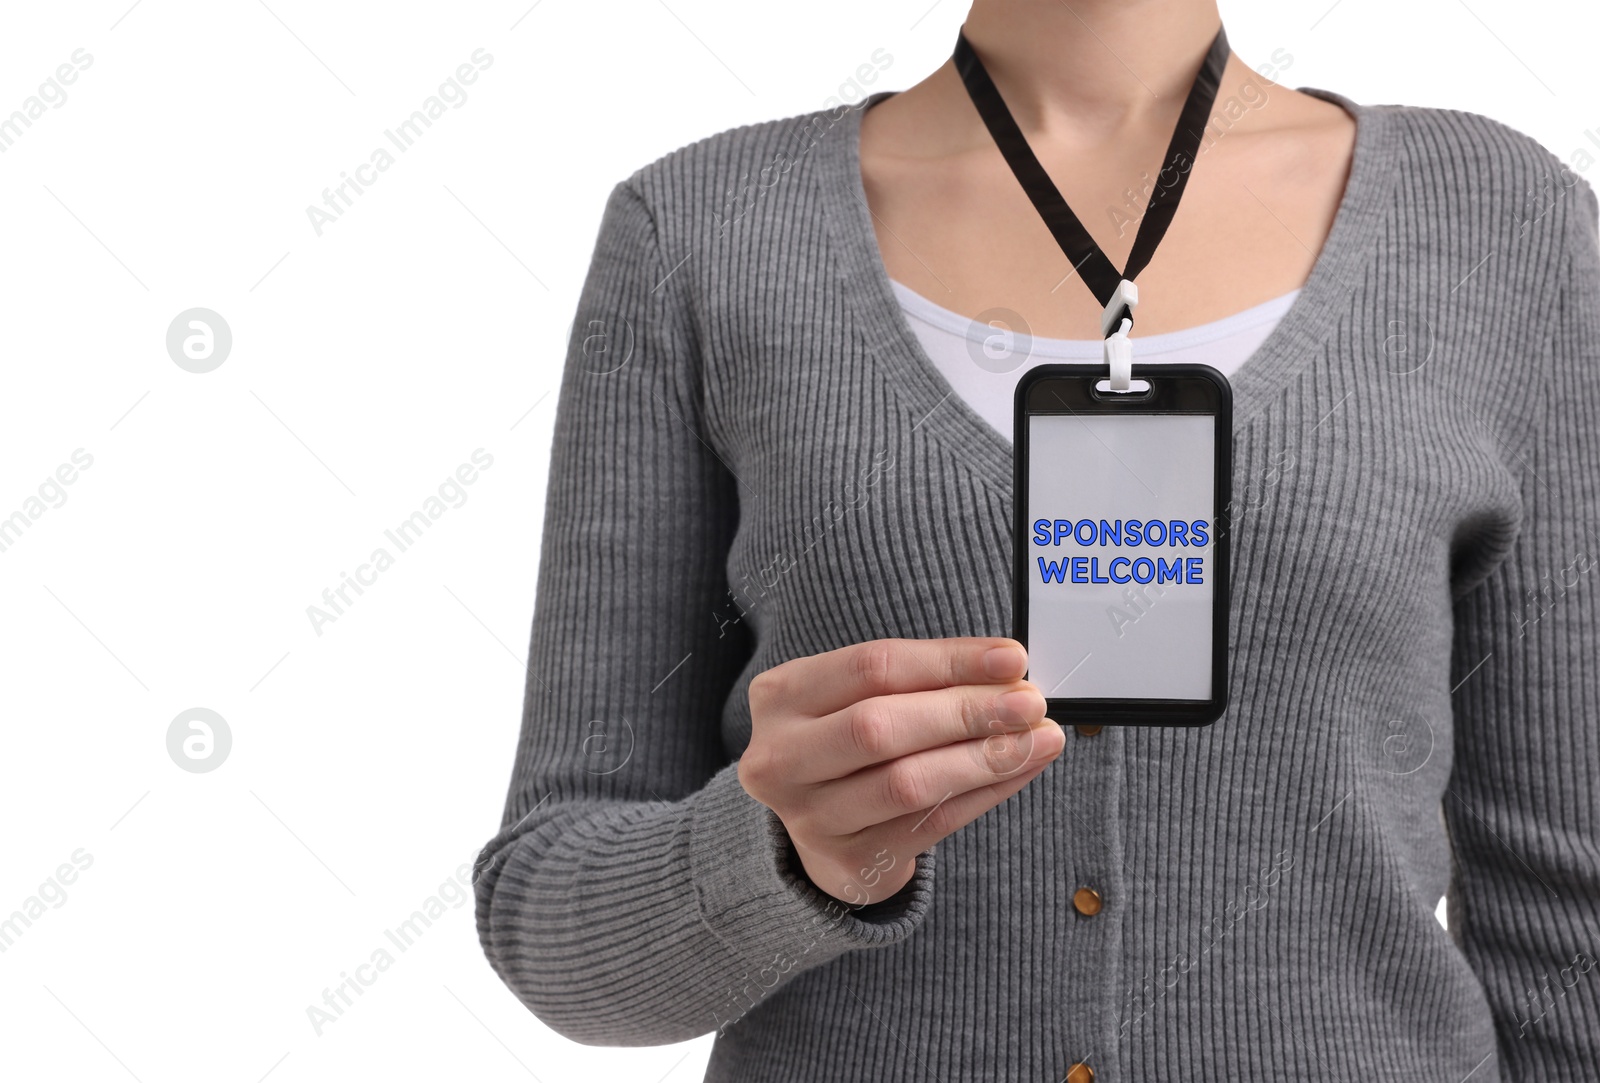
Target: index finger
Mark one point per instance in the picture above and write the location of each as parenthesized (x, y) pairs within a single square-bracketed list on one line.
[(823, 683)]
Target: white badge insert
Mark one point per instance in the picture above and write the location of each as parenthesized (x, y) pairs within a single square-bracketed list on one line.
[(1120, 559)]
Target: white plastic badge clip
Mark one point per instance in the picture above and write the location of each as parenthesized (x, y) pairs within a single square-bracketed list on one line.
[(1119, 350)]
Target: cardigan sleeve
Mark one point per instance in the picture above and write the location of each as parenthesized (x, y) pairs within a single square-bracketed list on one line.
[(1523, 806), (635, 894)]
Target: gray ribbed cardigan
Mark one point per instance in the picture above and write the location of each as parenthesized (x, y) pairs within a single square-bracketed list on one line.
[(754, 460)]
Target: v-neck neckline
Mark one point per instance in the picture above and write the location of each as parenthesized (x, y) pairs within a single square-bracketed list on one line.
[(1297, 338)]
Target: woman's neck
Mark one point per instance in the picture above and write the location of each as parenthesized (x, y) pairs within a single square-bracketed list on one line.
[(1094, 68)]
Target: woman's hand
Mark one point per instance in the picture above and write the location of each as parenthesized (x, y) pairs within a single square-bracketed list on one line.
[(871, 753)]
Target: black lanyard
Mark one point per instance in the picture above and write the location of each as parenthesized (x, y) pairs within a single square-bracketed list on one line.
[(1087, 258)]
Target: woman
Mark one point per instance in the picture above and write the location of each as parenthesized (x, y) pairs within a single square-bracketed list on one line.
[(780, 775)]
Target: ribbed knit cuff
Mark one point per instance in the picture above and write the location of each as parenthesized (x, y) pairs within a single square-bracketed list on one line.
[(767, 911)]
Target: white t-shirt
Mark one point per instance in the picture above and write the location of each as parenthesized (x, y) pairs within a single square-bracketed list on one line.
[(984, 361)]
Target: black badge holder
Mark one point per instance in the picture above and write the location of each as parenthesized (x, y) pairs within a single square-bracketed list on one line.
[(1114, 667)]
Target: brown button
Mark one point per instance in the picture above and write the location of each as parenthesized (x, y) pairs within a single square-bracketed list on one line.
[(1087, 731), (1086, 900), (1080, 1073)]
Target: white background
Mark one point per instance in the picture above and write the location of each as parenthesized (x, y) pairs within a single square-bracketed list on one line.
[(370, 762)]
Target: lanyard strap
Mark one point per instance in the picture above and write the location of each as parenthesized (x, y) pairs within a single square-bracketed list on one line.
[(1087, 259)]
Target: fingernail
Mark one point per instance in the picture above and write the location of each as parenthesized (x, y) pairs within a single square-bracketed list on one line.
[(1014, 708), (1005, 663)]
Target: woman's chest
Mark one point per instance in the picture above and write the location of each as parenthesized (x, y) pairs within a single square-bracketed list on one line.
[(1351, 501)]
